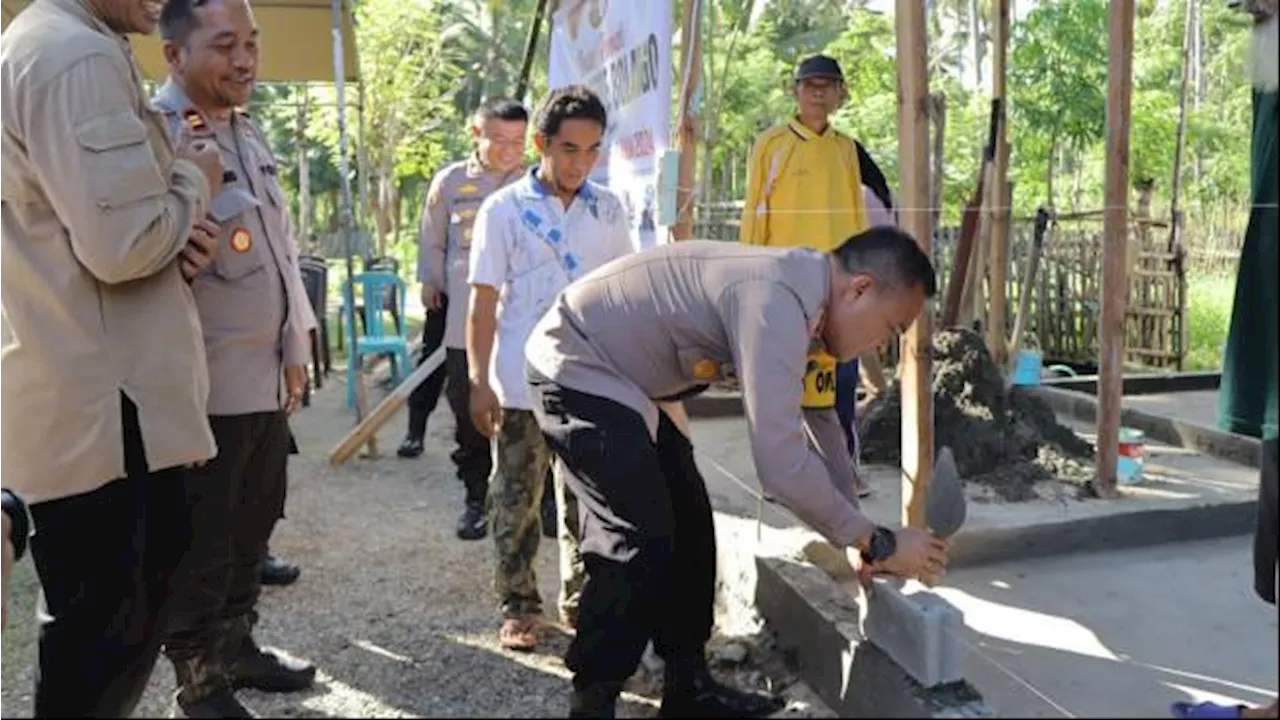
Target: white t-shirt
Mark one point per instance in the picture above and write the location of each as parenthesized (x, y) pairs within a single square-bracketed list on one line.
[(530, 248)]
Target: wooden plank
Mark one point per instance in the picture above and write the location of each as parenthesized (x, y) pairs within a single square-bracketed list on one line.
[(368, 428), (916, 218), (999, 265), (1115, 285)]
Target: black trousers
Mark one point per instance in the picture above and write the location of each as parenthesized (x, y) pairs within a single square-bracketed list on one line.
[(647, 536), (471, 456), (106, 560), (1266, 537), (234, 501), (422, 401)]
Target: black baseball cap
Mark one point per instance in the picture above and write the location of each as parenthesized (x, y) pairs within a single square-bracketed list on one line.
[(819, 66)]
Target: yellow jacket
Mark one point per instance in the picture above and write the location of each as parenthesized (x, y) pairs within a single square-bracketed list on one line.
[(803, 189)]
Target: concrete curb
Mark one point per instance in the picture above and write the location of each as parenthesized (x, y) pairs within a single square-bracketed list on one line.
[(1172, 431), (727, 404), (816, 622), (1143, 384), (972, 547)]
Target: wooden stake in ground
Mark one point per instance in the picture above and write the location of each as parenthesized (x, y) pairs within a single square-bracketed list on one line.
[(1028, 282), (916, 217), (368, 428), (1000, 210), (961, 262), (1115, 238)]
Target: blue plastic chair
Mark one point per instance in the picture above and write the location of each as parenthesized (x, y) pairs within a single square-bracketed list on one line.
[(372, 287)]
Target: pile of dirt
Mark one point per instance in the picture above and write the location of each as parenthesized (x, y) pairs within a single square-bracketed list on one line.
[(1005, 439)]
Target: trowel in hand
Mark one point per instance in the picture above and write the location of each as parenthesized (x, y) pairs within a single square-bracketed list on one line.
[(945, 506)]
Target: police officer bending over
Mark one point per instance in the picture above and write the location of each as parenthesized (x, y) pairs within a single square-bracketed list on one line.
[(605, 364), (255, 317)]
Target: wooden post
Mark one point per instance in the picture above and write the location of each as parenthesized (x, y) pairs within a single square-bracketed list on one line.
[(1115, 229), (999, 224), (687, 139), (916, 218)]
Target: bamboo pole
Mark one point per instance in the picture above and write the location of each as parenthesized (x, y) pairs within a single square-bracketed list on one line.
[(1000, 210), (530, 47), (1175, 188), (1115, 283), (915, 218), (687, 138)]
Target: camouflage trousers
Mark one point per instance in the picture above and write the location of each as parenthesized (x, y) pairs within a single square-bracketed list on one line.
[(521, 461)]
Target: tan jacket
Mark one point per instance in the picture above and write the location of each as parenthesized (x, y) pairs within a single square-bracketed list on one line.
[(444, 238), (253, 305), (95, 210), (662, 324)]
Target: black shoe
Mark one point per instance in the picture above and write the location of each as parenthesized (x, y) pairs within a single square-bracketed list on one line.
[(549, 514), (595, 700), (278, 572), (689, 691), (410, 448), (473, 525), (270, 671), (203, 690)]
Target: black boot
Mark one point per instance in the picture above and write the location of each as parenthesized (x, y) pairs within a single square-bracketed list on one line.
[(204, 691), (250, 666), (594, 700), (473, 524), (278, 572), (689, 691), (410, 448)]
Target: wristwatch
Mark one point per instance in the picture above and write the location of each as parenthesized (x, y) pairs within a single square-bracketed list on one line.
[(881, 546), (19, 525)]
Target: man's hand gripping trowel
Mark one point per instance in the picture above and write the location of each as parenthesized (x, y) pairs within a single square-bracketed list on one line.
[(945, 509)]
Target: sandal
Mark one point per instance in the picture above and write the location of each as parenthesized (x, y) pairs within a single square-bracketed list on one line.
[(519, 634), (1194, 711)]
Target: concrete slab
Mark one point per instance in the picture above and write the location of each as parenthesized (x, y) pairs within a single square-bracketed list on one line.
[(1186, 496), (1117, 635), (1197, 406)]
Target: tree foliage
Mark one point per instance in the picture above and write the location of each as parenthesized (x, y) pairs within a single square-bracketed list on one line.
[(428, 63)]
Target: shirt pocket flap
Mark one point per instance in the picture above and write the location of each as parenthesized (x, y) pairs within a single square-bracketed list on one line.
[(120, 165), (110, 132)]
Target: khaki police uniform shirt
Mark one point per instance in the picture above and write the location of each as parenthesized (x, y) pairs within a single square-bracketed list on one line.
[(444, 237), (95, 210), (654, 325), (252, 301)]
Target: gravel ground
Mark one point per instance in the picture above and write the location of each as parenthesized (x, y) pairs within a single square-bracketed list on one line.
[(397, 613)]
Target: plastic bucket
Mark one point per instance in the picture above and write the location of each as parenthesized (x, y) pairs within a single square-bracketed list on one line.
[(1026, 371), (1131, 457)]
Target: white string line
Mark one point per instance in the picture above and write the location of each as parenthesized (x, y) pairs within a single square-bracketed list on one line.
[(1070, 216), (973, 648), (1012, 675)]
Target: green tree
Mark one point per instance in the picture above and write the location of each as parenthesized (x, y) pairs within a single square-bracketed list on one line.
[(1057, 84)]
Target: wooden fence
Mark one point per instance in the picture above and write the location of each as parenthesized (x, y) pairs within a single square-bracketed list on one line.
[(1063, 321)]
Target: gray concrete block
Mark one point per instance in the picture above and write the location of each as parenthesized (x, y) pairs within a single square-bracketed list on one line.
[(816, 622), (915, 628)]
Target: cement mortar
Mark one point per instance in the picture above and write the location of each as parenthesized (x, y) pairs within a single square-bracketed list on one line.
[(1007, 440)]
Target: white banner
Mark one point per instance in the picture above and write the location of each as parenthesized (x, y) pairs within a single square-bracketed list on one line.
[(621, 49)]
